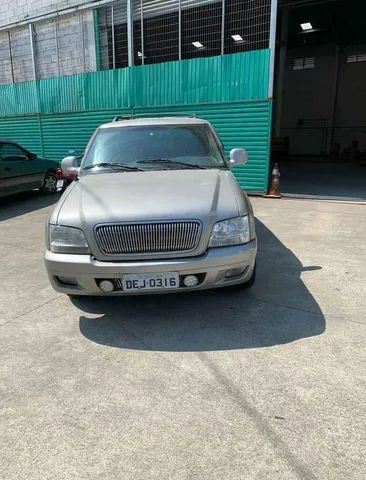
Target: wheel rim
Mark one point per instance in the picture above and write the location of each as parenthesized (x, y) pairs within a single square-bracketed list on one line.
[(50, 182)]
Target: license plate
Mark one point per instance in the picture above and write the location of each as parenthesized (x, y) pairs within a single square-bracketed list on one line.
[(150, 281), (60, 184)]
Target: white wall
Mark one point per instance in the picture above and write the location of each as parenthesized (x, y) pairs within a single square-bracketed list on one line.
[(309, 95), (73, 53), (19, 10)]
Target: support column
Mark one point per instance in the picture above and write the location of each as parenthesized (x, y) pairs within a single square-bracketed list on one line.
[(113, 39), (281, 70), (82, 43), (223, 26), (35, 84), (32, 50), (130, 32), (57, 46), (142, 32), (10, 58), (180, 30), (335, 99), (272, 45)]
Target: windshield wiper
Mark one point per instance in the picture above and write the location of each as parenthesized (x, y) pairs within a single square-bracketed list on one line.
[(168, 160), (119, 166)]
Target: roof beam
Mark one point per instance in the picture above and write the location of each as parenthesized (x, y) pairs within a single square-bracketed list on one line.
[(304, 3)]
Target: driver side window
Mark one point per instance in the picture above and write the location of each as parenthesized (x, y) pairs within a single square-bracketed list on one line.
[(11, 153)]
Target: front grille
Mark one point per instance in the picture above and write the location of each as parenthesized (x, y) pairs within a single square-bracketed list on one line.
[(117, 282), (148, 237)]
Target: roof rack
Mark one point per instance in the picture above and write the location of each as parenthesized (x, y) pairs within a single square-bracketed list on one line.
[(119, 118)]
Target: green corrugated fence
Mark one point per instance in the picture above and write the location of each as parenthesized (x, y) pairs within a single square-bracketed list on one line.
[(52, 116), (239, 124), (227, 78)]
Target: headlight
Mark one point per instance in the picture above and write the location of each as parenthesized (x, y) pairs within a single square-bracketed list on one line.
[(67, 240), (234, 231)]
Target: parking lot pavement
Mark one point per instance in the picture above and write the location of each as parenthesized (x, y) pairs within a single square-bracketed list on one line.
[(264, 384)]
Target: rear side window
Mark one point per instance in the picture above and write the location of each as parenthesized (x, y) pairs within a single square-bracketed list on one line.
[(10, 152)]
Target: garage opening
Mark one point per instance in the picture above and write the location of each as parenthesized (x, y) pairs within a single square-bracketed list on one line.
[(319, 120)]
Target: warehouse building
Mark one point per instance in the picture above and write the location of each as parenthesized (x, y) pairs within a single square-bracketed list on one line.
[(68, 65), (320, 97)]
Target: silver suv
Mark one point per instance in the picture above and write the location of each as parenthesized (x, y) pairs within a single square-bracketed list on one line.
[(154, 208)]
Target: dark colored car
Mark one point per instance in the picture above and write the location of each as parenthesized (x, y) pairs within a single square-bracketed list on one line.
[(21, 170)]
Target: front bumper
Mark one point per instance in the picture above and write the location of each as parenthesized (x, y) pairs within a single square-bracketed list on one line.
[(212, 269)]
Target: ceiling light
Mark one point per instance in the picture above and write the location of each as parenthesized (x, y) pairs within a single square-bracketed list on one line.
[(197, 44), (237, 38), (306, 26)]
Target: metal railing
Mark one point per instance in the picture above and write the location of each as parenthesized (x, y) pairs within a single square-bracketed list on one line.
[(132, 32)]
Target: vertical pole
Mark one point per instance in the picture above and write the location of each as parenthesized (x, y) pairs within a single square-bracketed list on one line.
[(142, 32), (180, 30), (113, 39), (130, 32), (82, 45), (32, 50), (335, 98), (40, 134), (281, 70), (97, 38), (272, 52), (36, 93), (57, 46), (272, 45), (223, 27), (11, 59)]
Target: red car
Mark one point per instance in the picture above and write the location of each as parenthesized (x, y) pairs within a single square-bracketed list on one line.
[(63, 181)]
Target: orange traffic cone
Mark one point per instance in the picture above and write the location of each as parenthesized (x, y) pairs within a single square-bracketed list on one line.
[(274, 190)]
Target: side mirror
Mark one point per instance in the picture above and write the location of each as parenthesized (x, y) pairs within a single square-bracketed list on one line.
[(69, 165), (32, 156), (238, 156)]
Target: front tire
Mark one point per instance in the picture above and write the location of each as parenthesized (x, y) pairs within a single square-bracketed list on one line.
[(49, 185)]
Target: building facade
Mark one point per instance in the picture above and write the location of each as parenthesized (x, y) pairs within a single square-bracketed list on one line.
[(66, 66)]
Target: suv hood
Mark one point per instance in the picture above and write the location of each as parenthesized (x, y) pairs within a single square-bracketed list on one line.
[(206, 195)]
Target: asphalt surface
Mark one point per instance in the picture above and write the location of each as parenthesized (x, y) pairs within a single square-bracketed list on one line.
[(264, 384)]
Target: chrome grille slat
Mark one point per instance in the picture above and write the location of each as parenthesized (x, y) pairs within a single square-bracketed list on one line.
[(127, 239)]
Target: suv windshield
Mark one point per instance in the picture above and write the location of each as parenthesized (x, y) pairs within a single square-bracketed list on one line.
[(155, 147)]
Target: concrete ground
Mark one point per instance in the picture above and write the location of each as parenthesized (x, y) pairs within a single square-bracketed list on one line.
[(264, 384), (317, 178)]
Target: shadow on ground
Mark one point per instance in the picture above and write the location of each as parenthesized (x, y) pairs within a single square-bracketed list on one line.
[(278, 309), (22, 203)]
